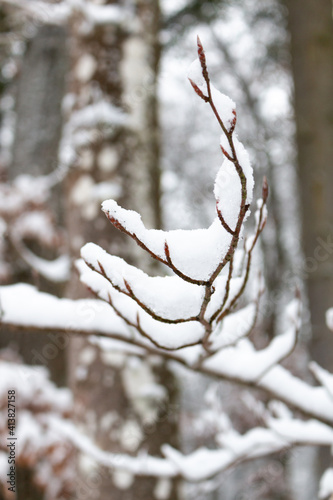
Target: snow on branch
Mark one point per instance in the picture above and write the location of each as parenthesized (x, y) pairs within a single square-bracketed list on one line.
[(203, 259), (25, 216)]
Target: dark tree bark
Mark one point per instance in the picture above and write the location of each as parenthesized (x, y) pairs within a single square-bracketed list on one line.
[(311, 30), (37, 135)]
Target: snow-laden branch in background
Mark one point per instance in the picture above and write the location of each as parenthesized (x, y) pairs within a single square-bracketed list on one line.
[(60, 13), (24, 216), (85, 126), (205, 463), (94, 317), (38, 401)]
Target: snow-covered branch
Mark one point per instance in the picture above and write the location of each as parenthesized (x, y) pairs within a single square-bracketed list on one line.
[(197, 317)]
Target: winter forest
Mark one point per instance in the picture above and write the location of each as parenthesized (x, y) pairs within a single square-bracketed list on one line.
[(166, 250)]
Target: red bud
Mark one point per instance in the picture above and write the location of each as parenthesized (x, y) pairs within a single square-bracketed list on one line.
[(264, 189)]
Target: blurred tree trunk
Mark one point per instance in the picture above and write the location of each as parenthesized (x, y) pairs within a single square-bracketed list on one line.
[(37, 134), (311, 30), (115, 155)]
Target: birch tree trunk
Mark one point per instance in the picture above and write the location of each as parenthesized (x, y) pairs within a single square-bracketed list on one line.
[(111, 148)]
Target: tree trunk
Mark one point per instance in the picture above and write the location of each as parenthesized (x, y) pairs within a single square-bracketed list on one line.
[(311, 29), (116, 65), (37, 135)]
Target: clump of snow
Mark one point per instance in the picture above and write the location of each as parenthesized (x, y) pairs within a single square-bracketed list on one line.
[(228, 187), (228, 193), (142, 464), (294, 391), (326, 484), (169, 297), (234, 327), (57, 270), (194, 74), (225, 107), (33, 385), (245, 363), (244, 161), (329, 318), (43, 310), (295, 430), (24, 190), (88, 195), (104, 14), (36, 224), (91, 118), (200, 464), (196, 253), (169, 336)]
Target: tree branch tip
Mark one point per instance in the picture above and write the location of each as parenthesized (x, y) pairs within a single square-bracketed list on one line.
[(298, 294), (127, 285), (198, 91), (226, 154), (202, 59), (265, 189), (166, 249), (100, 267)]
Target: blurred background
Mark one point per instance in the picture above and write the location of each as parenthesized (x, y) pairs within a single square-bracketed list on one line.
[(95, 104)]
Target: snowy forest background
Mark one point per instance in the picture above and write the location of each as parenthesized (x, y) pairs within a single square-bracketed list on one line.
[(96, 105)]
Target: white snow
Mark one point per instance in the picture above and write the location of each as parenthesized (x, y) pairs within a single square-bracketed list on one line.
[(24, 305), (33, 386), (141, 465), (199, 465), (228, 188), (169, 296), (225, 107), (329, 318), (194, 74), (228, 193), (25, 189), (36, 224), (90, 117), (299, 431), (234, 326), (323, 376), (57, 270), (196, 253), (85, 67), (170, 336), (104, 14), (223, 104), (204, 463), (292, 390), (61, 12), (326, 484), (245, 363)]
